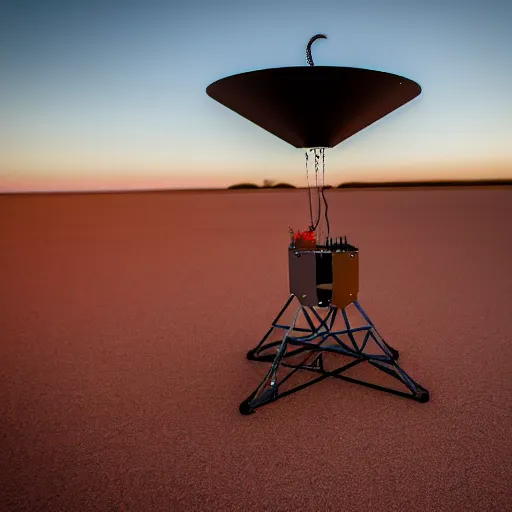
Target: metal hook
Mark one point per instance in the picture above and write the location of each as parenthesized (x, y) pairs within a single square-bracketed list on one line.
[(308, 48)]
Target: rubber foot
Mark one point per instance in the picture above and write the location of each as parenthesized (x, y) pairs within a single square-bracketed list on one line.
[(423, 396), (250, 355), (245, 408)]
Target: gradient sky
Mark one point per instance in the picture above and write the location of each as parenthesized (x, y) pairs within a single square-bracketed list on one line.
[(111, 94)]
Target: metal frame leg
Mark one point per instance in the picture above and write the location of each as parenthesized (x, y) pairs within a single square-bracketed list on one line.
[(312, 341)]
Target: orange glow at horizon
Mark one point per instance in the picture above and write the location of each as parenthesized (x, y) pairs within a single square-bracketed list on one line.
[(28, 182)]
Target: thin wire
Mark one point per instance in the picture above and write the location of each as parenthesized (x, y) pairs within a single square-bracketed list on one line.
[(317, 156), (323, 194), (322, 152), (309, 193), (316, 182)]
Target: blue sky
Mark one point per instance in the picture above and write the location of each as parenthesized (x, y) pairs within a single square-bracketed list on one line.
[(111, 94)]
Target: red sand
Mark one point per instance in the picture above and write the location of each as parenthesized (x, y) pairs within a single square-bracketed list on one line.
[(125, 322)]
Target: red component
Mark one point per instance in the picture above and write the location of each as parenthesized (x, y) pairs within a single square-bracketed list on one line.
[(305, 236)]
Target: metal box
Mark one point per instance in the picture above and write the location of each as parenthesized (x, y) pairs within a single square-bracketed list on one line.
[(324, 277)]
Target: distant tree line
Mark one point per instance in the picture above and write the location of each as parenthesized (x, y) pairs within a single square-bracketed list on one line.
[(266, 184), (390, 184), (427, 183)]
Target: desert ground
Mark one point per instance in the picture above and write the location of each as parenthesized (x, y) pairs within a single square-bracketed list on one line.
[(126, 317)]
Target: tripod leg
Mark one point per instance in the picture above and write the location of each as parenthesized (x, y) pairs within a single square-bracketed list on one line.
[(252, 353), (390, 350), (267, 390)]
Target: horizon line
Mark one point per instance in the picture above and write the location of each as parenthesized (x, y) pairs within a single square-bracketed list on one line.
[(254, 187)]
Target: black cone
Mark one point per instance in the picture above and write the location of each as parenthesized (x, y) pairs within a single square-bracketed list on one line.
[(314, 106)]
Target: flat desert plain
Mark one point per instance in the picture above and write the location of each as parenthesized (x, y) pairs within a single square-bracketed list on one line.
[(125, 321)]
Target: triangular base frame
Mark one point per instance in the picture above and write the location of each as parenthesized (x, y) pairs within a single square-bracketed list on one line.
[(313, 343)]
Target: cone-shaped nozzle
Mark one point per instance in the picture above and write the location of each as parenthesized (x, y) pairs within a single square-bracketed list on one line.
[(314, 106)]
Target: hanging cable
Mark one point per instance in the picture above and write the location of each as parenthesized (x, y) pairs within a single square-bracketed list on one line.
[(323, 194), (309, 193), (317, 156), (316, 183)]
